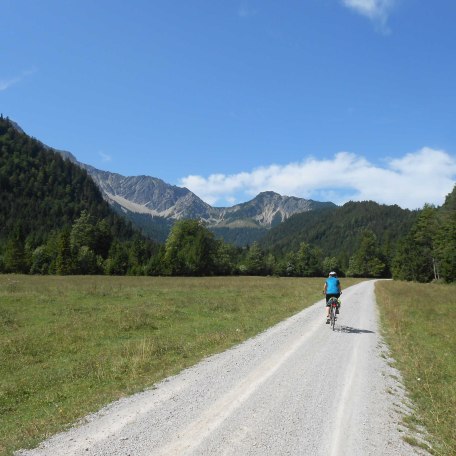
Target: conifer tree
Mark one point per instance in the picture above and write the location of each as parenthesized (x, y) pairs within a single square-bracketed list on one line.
[(308, 261), (416, 257), (14, 257), (367, 261), (255, 262), (64, 261)]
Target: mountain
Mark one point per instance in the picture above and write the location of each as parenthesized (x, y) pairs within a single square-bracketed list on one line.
[(248, 222), (153, 205), (153, 196), (266, 210), (150, 195)]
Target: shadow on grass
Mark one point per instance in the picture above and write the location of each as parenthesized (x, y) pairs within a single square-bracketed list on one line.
[(350, 330)]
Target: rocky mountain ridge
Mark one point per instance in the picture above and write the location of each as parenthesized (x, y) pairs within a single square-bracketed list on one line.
[(153, 196), (156, 198), (151, 200)]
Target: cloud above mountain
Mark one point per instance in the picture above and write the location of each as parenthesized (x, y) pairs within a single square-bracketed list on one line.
[(425, 176)]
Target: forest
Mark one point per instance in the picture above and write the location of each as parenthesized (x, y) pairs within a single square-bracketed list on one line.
[(53, 220)]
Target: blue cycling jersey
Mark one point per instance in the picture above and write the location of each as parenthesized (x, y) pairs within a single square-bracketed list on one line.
[(332, 285)]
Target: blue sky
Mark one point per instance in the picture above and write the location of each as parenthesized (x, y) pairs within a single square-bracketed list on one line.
[(325, 99)]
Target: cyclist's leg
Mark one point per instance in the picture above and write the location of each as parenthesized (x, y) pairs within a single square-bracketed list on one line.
[(327, 307)]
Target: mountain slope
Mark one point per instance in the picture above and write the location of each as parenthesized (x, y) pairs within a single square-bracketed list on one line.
[(150, 195), (337, 231), (41, 191)]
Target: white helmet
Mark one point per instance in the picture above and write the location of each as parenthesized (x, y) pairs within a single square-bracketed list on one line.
[(332, 273)]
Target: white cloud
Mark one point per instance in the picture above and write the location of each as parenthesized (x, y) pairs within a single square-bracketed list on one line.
[(104, 157), (426, 176), (7, 83), (376, 10)]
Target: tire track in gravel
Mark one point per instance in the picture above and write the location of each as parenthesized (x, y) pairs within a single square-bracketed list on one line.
[(225, 406)]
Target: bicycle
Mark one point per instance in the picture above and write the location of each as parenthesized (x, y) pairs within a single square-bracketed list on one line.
[(333, 304)]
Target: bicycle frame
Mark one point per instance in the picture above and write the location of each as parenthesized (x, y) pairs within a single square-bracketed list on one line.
[(332, 312)]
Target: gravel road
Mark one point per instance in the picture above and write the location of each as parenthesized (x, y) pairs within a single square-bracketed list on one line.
[(296, 389)]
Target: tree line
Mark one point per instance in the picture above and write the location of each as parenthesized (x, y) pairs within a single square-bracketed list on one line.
[(88, 246), (427, 253)]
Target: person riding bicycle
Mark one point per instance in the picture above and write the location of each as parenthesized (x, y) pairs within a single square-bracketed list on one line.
[(332, 289)]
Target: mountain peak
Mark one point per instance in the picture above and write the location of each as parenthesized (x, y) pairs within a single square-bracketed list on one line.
[(268, 193)]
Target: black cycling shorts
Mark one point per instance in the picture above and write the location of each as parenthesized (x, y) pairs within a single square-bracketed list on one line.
[(331, 295)]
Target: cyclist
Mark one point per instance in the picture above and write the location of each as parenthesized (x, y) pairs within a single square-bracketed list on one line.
[(332, 289)]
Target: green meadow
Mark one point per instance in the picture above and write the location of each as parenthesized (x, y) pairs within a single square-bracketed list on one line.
[(419, 323)]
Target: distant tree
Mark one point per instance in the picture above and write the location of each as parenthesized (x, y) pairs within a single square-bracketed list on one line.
[(139, 255), (117, 262), (64, 261), (83, 232), (367, 261), (289, 266), (308, 262), (272, 266), (14, 256), (450, 201), (190, 249), (255, 261), (41, 261), (428, 252), (103, 238), (156, 264), (331, 264), (445, 246), (87, 262), (225, 258), (445, 238), (416, 256)]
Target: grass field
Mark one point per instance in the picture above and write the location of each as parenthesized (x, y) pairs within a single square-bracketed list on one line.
[(419, 322), (69, 345)]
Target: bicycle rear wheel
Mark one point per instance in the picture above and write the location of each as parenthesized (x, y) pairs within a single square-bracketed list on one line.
[(333, 317)]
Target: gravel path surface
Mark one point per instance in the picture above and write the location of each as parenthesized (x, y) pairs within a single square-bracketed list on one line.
[(296, 389)]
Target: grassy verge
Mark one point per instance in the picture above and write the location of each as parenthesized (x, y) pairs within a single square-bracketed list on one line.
[(419, 322), (69, 345)]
